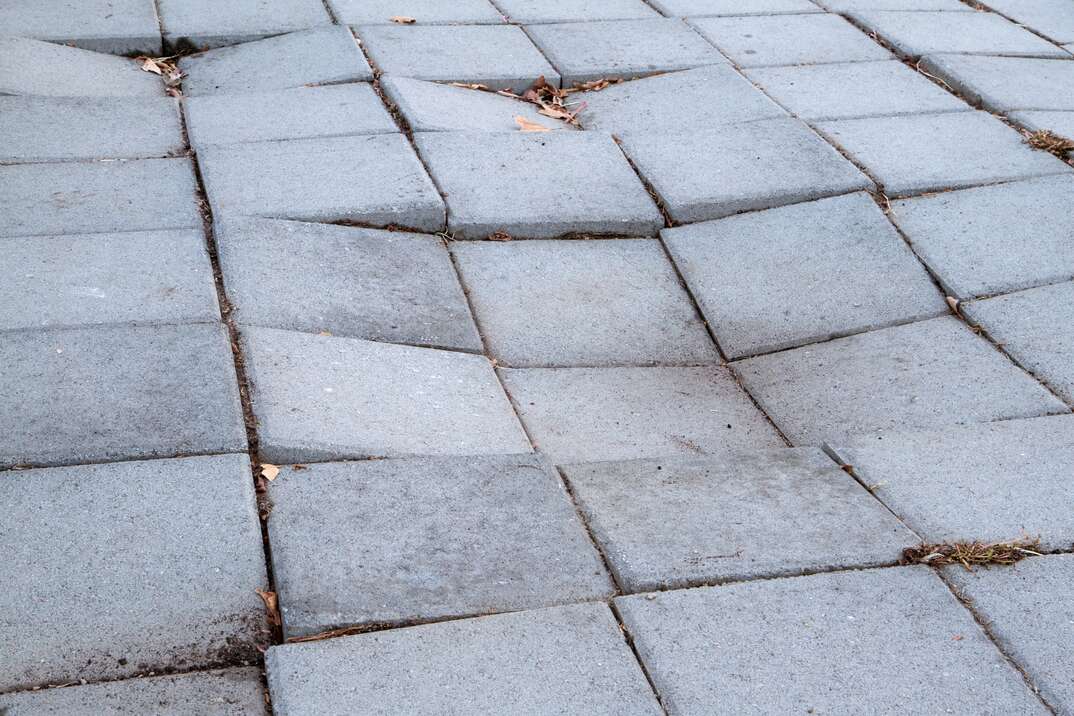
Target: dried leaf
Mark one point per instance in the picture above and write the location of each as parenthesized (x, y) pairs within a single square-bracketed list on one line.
[(403, 19), (954, 303), (470, 85), (271, 606), (1048, 141), (269, 472), (529, 126), (500, 236), (150, 65), (970, 554)]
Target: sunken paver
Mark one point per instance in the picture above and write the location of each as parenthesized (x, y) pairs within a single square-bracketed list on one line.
[(537, 184), (541, 11), (847, 6), (1052, 18), (988, 482), (589, 414), (678, 522), (1002, 84), (570, 659), (207, 23), (61, 71), (862, 642), (428, 539), (327, 55), (1061, 123), (764, 282), (501, 57), (588, 51), (917, 376), (425, 12), (709, 174), (155, 568), (570, 303), (700, 8), (347, 281), (994, 239), (323, 397), (324, 179), (922, 153), (117, 392), (120, 27)]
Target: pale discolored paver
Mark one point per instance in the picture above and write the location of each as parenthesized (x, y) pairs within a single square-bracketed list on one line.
[(764, 282), (425, 12), (120, 27), (542, 11), (60, 71), (1002, 84), (428, 538), (877, 641), (1061, 123), (700, 8), (162, 556), (1052, 18), (570, 659), (847, 6), (204, 24)]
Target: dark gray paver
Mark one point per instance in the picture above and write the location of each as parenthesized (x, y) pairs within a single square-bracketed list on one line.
[(1061, 123), (708, 174), (324, 179), (537, 184), (209, 23), (1052, 18), (676, 522), (587, 414), (846, 6), (570, 659), (61, 71), (155, 567), (700, 8), (381, 12), (324, 397), (764, 282), (121, 27), (427, 538), (917, 376), (347, 281), (601, 302), (1002, 84), (850, 642), (541, 11), (989, 481)]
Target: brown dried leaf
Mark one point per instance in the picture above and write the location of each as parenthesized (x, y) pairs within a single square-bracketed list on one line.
[(269, 472), (150, 65), (527, 125), (970, 554), (272, 607), (470, 85), (1048, 141), (954, 303), (500, 236), (403, 19)]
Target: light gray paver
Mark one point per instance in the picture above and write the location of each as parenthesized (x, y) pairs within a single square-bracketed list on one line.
[(917, 376), (120, 27), (541, 11), (61, 71), (209, 23), (764, 280), (435, 12), (913, 34), (847, 6), (537, 184), (700, 8), (1061, 123), (427, 538), (120, 569), (318, 397), (881, 641), (569, 659), (1001, 84), (1051, 18), (588, 414)]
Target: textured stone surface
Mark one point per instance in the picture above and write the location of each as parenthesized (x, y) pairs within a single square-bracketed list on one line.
[(61, 71), (913, 34), (698, 8), (541, 11), (846, 6), (381, 12), (1052, 18), (1061, 123), (154, 568), (208, 23), (1001, 84), (121, 27)]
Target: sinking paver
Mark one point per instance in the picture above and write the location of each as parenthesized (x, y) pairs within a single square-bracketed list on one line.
[(921, 153), (61, 71), (500, 57), (120, 27), (677, 522), (162, 556), (708, 174), (1002, 84), (541, 11), (428, 538), (847, 6), (917, 376), (207, 23), (588, 414), (1061, 123), (1052, 18), (537, 184), (435, 12), (700, 8), (323, 56), (764, 282), (863, 642), (324, 397), (994, 239), (913, 34), (324, 179), (347, 281), (97, 197), (587, 51)]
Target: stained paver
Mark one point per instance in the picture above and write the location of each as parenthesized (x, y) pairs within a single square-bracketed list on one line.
[(570, 659), (167, 560), (700, 8), (913, 34), (1051, 18), (1061, 123), (121, 27), (205, 23), (435, 12), (60, 71), (1001, 84), (541, 11)]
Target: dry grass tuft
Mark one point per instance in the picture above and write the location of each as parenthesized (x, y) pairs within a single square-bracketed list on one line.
[(1048, 141), (970, 554)]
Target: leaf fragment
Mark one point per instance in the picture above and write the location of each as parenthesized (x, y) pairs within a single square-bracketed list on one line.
[(269, 472), (272, 607), (403, 19), (527, 125)]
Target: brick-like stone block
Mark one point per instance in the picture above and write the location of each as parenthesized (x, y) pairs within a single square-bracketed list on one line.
[(61, 71), (120, 27), (424, 12), (913, 34), (848, 6), (542, 11), (701, 8), (1002, 84), (207, 23), (1052, 18)]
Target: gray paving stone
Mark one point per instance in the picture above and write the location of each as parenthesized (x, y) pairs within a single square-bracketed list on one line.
[(1061, 123), (570, 659), (764, 282), (155, 568), (1001, 84), (121, 27), (206, 23), (541, 11), (807, 39), (501, 57), (433, 12), (700, 8), (709, 174), (61, 71), (589, 414), (322, 397), (1052, 18), (327, 55), (931, 152), (919, 376), (583, 52), (849, 642), (324, 179), (428, 538), (847, 6), (537, 185), (364, 283), (80, 198), (989, 481)]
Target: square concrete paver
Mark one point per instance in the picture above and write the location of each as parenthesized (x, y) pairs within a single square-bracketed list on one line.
[(541, 11), (323, 397), (570, 659), (589, 414), (878, 641), (424, 12), (119, 27), (917, 376), (1002, 84), (537, 184), (128, 568), (61, 71), (427, 538), (847, 6), (913, 34), (764, 280), (602, 302), (208, 23), (1052, 18), (699, 8)]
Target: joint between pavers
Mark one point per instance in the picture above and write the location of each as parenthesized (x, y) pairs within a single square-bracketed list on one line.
[(152, 674), (629, 638)]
